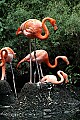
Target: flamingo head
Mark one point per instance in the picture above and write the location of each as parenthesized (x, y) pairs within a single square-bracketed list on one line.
[(65, 77), (19, 31), (65, 59), (53, 22), (66, 80)]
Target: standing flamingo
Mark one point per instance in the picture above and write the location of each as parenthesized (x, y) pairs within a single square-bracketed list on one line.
[(53, 78), (6, 56), (42, 56), (32, 28)]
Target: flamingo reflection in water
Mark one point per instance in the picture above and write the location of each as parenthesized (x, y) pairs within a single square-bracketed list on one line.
[(53, 79), (6, 56), (33, 28), (42, 56)]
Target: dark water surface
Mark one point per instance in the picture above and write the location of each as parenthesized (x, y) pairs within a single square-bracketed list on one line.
[(40, 103)]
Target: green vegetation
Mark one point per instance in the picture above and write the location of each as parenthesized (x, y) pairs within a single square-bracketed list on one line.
[(66, 41)]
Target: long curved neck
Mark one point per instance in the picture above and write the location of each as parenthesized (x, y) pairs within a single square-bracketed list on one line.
[(45, 36), (2, 63), (65, 77), (3, 57), (56, 62), (10, 51), (61, 76), (5, 54), (50, 65)]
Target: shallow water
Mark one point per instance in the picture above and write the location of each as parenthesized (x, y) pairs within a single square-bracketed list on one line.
[(42, 103)]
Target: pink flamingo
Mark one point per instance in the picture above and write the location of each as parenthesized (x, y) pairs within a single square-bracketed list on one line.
[(6, 56), (42, 56), (53, 78), (33, 28)]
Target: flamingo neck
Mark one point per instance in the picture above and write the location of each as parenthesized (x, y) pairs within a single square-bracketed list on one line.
[(45, 36), (61, 76), (3, 57), (50, 65), (65, 77), (64, 74), (56, 62), (4, 53), (2, 63)]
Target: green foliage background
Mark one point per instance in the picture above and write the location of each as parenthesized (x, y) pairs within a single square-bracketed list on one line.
[(66, 41)]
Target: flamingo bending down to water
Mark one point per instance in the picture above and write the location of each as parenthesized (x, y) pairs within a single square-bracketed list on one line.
[(6, 56), (42, 56), (53, 78)]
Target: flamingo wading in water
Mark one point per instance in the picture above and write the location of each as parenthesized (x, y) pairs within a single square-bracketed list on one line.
[(42, 56), (53, 79), (33, 28), (6, 56)]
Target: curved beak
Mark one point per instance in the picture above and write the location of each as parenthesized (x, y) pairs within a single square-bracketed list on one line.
[(19, 31)]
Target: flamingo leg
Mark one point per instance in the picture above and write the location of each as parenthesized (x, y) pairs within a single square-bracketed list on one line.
[(41, 70), (35, 76), (38, 69), (35, 73), (30, 62), (36, 60), (13, 80)]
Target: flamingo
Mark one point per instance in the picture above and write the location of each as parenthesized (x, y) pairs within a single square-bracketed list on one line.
[(6, 56), (32, 28), (42, 56), (53, 78)]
